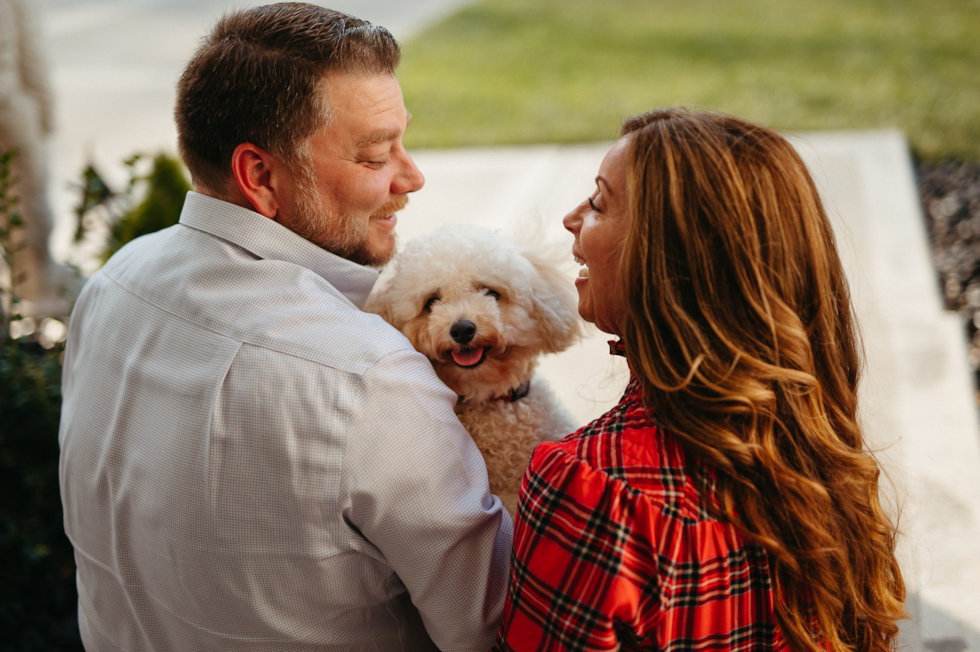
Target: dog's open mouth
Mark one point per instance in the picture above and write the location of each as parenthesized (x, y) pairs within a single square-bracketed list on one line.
[(469, 357)]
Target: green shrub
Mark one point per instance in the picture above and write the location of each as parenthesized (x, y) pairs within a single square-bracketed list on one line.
[(37, 570), (166, 186), (150, 201)]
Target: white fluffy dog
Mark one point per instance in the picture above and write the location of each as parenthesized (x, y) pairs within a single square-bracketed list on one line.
[(482, 310)]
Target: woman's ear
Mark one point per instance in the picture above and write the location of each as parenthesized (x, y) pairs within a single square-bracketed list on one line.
[(555, 303), (260, 177)]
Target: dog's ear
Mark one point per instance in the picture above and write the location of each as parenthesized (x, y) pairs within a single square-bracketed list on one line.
[(555, 302), (377, 305), (379, 301)]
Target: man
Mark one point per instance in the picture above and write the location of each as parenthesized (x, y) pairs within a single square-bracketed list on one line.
[(250, 462)]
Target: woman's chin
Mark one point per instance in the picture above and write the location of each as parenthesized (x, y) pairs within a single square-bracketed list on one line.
[(607, 316), (606, 325), (586, 309)]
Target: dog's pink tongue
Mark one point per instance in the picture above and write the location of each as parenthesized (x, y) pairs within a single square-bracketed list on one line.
[(468, 357)]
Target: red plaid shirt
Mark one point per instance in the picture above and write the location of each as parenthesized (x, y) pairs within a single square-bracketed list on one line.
[(614, 550)]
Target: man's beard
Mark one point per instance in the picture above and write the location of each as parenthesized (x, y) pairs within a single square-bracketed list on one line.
[(343, 235)]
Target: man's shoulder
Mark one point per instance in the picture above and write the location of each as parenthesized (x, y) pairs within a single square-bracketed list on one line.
[(183, 275)]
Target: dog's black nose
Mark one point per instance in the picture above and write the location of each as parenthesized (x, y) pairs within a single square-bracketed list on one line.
[(463, 331)]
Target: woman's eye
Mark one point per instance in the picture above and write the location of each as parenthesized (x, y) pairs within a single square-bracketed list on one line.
[(492, 293), (428, 304), (592, 204)]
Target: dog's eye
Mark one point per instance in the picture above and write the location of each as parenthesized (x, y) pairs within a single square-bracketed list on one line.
[(492, 293), (428, 304)]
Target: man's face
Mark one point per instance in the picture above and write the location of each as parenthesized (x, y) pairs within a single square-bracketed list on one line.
[(357, 174)]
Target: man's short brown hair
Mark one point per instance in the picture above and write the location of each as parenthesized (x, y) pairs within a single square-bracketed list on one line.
[(257, 79)]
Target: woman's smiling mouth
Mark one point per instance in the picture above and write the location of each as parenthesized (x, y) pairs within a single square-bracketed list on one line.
[(584, 272)]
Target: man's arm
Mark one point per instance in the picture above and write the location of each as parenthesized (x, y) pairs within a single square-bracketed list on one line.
[(418, 491)]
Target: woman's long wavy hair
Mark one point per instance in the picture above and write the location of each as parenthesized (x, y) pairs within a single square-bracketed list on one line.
[(739, 329)]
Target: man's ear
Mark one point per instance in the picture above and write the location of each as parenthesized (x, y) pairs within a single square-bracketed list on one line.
[(261, 179)]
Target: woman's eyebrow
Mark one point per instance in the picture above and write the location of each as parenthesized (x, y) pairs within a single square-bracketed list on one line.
[(600, 179)]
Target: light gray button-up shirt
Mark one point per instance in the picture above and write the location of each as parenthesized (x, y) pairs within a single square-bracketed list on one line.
[(249, 462)]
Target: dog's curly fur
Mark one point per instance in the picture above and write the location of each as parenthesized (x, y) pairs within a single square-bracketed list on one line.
[(519, 306)]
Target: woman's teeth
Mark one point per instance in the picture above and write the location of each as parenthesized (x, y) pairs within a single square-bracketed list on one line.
[(583, 273), (580, 261)]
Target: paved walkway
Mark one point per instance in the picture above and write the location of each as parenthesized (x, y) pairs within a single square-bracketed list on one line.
[(115, 63)]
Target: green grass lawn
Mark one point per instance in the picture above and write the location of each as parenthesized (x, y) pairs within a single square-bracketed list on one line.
[(533, 71)]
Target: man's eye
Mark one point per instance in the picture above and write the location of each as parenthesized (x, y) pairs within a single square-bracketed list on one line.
[(378, 164), (428, 304)]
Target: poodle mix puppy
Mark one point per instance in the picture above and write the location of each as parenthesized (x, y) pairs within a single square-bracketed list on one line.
[(483, 310)]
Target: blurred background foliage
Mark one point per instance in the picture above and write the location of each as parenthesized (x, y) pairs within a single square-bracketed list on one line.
[(37, 570), (533, 71), (157, 207), (151, 200)]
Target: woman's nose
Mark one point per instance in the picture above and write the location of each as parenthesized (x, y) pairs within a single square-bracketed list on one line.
[(573, 221)]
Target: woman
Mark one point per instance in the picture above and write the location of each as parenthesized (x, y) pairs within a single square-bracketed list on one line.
[(727, 502)]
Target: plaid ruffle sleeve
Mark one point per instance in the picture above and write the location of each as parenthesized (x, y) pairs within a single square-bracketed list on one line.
[(613, 551)]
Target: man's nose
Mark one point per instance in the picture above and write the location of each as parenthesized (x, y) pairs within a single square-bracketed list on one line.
[(409, 178)]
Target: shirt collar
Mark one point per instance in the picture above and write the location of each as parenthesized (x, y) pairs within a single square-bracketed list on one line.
[(270, 240)]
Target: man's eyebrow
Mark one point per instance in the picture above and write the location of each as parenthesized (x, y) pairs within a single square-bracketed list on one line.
[(601, 179), (380, 136), (383, 135)]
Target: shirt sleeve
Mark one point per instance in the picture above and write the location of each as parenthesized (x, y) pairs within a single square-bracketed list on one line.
[(417, 490), (583, 574)]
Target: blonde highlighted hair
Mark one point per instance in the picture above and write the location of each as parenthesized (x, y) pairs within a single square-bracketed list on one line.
[(739, 329)]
